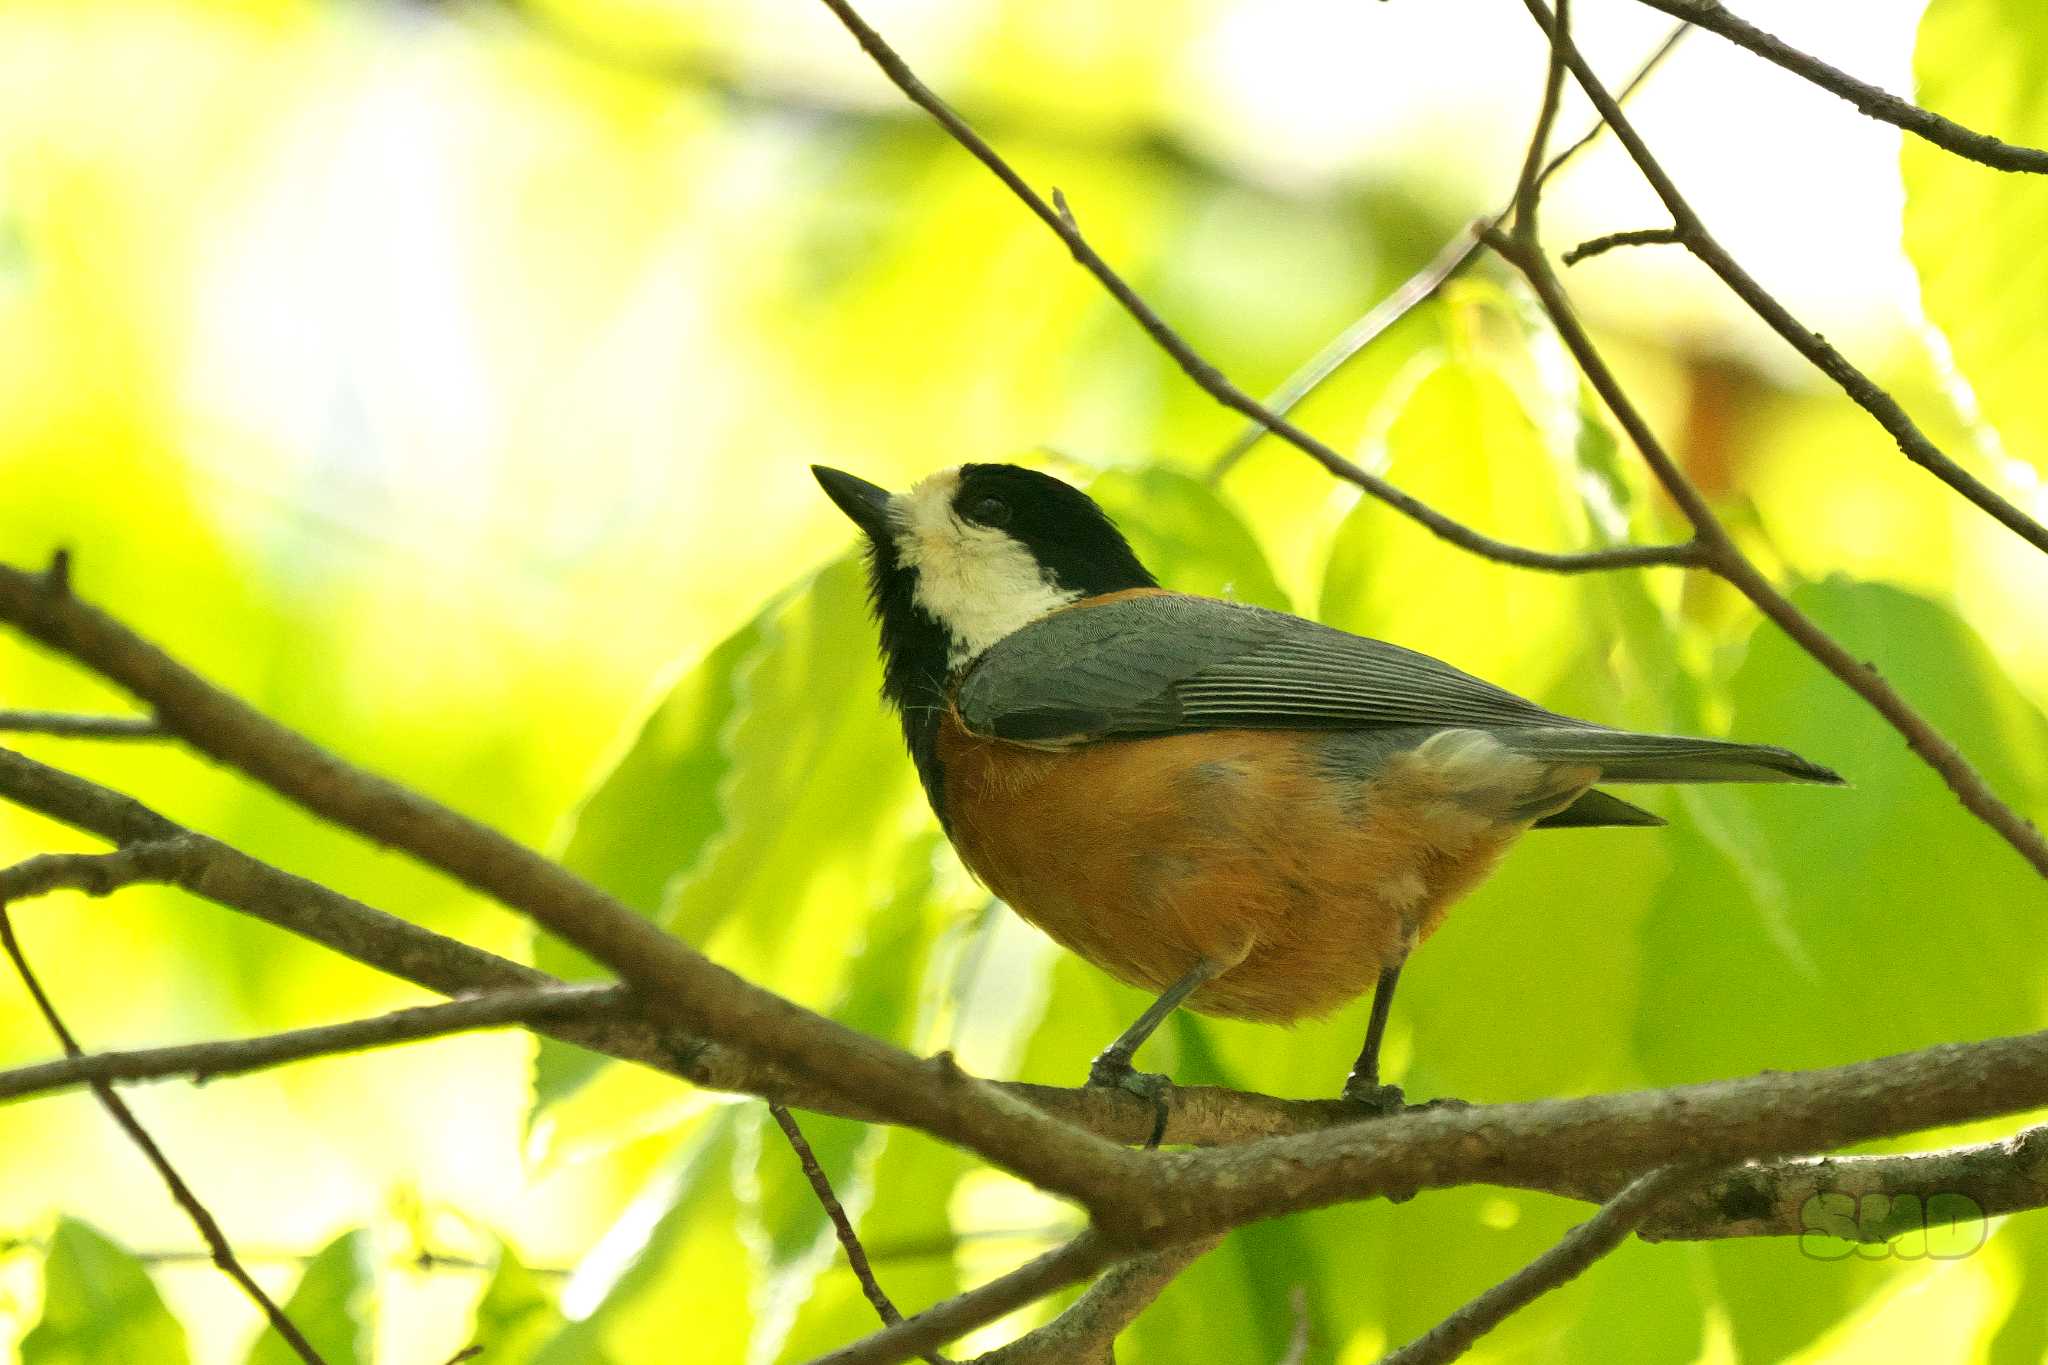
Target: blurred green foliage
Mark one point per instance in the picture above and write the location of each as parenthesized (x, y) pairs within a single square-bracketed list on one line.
[(494, 477)]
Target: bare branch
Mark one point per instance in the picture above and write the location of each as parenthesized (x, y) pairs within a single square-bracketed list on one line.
[(677, 985), (124, 1117), (1566, 1261), (83, 727), (1600, 246), (842, 1226), (238, 1056), (1209, 378), (1412, 292), (1726, 559), (1087, 1330), (1529, 185), (962, 1313), (97, 874), (1866, 393), (1868, 99)]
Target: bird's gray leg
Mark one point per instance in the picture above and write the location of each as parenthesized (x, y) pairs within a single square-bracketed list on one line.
[(1363, 1085), (1113, 1066)]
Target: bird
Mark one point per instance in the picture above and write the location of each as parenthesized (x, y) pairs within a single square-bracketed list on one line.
[(1242, 811)]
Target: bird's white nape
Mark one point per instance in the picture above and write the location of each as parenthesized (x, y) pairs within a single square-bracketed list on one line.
[(979, 582)]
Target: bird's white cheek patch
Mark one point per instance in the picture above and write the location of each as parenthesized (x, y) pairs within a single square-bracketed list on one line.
[(975, 580)]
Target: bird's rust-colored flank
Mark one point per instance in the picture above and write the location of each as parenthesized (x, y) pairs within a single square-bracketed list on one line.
[(1268, 852)]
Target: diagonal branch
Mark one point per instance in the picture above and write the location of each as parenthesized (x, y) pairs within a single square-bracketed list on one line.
[(1566, 1261), (1726, 559), (1087, 1331), (1205, 375), (216, 1241), (1418, 288), (961, 1314), (676, 984), (1816, 349), (1869, 99), (842, 1226)]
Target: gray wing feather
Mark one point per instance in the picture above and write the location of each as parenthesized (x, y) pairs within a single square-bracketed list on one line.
[(1164, 664)]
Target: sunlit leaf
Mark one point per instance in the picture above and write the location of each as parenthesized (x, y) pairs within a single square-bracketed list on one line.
[(1187, 535), (331, 1306), (753, 800), (99, 1305), (1974, 233), (517, 1313)]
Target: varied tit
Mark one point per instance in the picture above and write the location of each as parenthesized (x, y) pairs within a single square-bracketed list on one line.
[(1253, 815)]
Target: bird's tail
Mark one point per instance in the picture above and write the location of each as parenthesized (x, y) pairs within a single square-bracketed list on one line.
[(1623, 756)]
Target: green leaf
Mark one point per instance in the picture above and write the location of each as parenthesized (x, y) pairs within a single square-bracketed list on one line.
[(669, 1271), (1974, 233), (1803, 926), (331, 1306), (99, 1305), (1187, 535), (754, 805), (517, 1313)]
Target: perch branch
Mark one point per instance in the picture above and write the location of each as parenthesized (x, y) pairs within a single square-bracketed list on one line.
[(117, 1108)]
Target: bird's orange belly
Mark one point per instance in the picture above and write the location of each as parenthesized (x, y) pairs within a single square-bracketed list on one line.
[(1144, 856)]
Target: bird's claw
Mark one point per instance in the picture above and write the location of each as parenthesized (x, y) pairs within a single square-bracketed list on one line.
[(1110, 1074), (1376, 1099)]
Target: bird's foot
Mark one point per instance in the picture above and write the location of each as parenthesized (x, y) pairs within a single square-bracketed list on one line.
[(1380, 1101), (1115, 1073), (1377, 1100)]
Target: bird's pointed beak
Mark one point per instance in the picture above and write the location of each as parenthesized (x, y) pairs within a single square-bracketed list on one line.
[(864, 503)]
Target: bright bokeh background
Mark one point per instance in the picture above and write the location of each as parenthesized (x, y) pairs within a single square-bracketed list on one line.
[(443, 379)]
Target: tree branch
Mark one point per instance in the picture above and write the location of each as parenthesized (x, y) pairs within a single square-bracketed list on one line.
[(1600, 246), (1412, 292), (962, 1313), (1756, 1200), (1566, 1261), (1721, 554), (1087, 1330), (1529, 185), (209, 1230), (1868, 99), (237, 1056), (677, 985), (1211, 380), (842, 1226), (1866, 393), (83, 727)]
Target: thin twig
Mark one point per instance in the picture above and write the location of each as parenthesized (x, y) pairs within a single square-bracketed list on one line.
[(1566, 1261), (209, 1230), (97, 874), (1207, 376), (962, 1313), (237, 1056), (1413, 292), (79, 726), (842, 1226), (1868, 99), (1600, 246), (1529, 185), (1297, 1342), (1866, 393)]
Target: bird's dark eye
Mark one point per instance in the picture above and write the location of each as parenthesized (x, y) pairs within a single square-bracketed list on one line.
[(990, 512)]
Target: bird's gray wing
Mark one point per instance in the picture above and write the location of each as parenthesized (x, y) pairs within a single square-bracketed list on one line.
[(1166, 663)]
